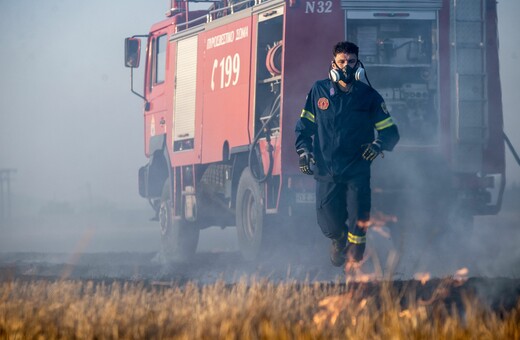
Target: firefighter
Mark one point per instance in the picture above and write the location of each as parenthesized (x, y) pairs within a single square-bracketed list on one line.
[(335, 141)]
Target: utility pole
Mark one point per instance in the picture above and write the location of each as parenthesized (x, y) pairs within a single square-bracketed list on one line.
[(5, 194)]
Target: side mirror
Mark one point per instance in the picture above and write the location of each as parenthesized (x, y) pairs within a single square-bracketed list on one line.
[(132, 52)]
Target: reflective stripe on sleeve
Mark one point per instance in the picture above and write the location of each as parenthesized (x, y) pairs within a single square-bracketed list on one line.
[(356, 239), (384, 123), (308, 115)]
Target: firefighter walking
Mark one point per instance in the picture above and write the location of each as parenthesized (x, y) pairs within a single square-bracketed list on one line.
[(336, 143)]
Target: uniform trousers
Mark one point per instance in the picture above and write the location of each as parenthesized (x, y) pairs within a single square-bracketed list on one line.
[(344, 207)]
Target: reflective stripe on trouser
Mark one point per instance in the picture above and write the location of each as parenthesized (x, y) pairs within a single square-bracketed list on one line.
[(341, 204), (356, 239)]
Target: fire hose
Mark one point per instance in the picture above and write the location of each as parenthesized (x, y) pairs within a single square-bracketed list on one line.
[(273, 59), (264, 130)]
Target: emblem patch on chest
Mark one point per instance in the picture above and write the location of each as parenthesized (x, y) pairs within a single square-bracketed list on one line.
[(323, 103)]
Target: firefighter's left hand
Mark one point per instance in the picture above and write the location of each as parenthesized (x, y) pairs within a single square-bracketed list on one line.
[(306, 159), (372, 150)]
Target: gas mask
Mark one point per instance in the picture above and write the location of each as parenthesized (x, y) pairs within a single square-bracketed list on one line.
[(347, 74)]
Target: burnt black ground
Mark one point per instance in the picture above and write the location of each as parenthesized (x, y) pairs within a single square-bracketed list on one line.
[(124, 245), (499, 294)]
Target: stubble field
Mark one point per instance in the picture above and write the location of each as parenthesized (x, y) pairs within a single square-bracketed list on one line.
[(258, 309)]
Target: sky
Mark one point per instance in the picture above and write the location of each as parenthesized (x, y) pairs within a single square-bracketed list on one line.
[(70, 125)]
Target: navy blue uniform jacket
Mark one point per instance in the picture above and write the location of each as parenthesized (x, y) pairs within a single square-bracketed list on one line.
[(341, 123)]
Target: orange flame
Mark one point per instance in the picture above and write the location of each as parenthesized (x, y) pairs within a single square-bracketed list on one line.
[(405, 314), (380, 219), (354, 272), (364, 224), (332, 306), (423, 277), (377, 220), (383, 232), (462, 272), (461, 276), (416, 313)]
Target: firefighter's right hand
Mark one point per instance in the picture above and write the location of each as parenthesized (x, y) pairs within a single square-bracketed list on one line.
[(372, 150), (306, 158)]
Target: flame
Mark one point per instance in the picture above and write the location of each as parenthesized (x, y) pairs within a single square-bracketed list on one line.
[(364, 224), (405, 314), (415, 314), (443, 290), (354, 273), (380, 219), (423, 277), (383, 232), (332, 306), (377, 220), (353, 268), (440, 293), (462, 272), (362, 277), (461, 276)]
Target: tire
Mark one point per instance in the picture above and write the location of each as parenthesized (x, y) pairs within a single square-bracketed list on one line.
[(250, 216), (179, 238)]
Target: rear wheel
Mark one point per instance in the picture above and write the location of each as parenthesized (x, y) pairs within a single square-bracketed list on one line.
[(179, 238), (250, 216)]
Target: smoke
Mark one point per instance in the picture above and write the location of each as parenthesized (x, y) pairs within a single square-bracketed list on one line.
[(71, 128), (434, 232)]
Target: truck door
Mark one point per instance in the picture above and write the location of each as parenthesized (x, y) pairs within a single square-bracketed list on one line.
[(155, 117)]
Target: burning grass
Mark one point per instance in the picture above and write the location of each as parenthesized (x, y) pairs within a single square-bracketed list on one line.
[(249, 309)]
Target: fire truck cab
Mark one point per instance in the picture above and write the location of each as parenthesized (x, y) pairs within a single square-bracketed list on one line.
[(225, 85)]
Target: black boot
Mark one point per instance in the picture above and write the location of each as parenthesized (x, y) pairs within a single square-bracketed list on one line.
[(337, 251)]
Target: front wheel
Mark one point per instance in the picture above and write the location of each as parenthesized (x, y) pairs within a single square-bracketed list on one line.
[(250, 216), (179, 238)]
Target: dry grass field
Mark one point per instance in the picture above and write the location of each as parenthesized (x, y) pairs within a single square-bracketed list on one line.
[(249, 309)]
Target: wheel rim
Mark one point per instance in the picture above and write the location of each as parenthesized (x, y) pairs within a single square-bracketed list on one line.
[(250, 215)]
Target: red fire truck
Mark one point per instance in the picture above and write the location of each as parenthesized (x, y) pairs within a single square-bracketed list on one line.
[(225, 84)]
